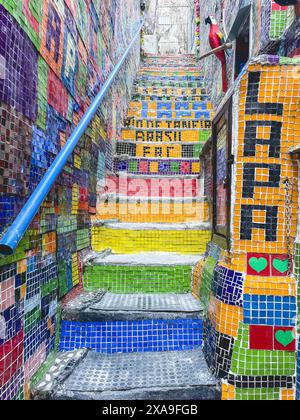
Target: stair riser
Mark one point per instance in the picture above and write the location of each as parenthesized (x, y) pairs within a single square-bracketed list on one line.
[(139, 90), (186, 115), (138, 279), (200, 393), (156, 167), (170, 106), (170, 61), (154, 212), (170, 71), (168, 124), (153, 187), (159, 150), (166, 84), (165, 136), (174, 63), (171, 75), (156, 76), (165, 97), (132, 336), (122, 241)]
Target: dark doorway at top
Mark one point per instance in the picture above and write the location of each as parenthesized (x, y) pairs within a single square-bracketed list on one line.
[(242, 47)]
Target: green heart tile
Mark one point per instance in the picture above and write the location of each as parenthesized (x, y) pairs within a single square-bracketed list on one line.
[(284, 337), (281, 265), (258, 264)]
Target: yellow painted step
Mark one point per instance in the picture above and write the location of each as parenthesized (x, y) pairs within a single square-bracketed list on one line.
[(132, 241), (154, 212), (184, 136)]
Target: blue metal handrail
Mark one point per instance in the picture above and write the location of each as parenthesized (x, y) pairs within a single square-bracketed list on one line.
[(15, 232)]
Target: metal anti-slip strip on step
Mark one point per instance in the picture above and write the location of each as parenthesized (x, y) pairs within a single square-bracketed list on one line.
[(141, 370), (146, 302)]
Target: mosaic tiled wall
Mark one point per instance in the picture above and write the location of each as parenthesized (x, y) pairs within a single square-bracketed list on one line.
[(197, 26), (54, 58), (249, 291), (268, 24)]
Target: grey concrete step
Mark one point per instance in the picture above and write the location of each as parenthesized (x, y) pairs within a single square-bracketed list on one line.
[(84, 375), (101, 306)]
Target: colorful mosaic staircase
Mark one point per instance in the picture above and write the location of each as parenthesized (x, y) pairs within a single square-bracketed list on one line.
[(136, 331)]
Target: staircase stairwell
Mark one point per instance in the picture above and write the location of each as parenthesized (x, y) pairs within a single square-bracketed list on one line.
[(136, 330)]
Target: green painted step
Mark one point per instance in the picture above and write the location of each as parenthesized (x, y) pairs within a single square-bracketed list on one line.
[(141, 273)]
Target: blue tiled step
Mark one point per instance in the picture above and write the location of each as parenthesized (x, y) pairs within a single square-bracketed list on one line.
[(129, 323), (132, 336), (164, 105)]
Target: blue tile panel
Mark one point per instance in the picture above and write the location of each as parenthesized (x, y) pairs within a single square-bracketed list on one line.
[(270, 310), (132, 336), (228, 286)]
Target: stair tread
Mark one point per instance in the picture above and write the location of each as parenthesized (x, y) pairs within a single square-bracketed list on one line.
[(167, 302), (196, 130), (151, 198), (103, 306), (147, 258), (155, 226), (88, 375)]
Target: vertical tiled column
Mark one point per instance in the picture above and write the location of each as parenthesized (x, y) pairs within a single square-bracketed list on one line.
[(249, 291)]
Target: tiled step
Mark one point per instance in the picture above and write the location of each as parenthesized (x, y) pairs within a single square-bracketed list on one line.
[(153, 187), (132, 336), (147, 272), (160, 71), (164, 149), (169, 79), (110, 307), (177, 61), (170, 106), (154, 123), (155, 200), (126, 238), (180, 114), (157, 167), (84, 375), (165, 97), (172, 64), (152, 209), (175, 68), (169, 136), (166, 83), (142, 90), (115, 323)]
